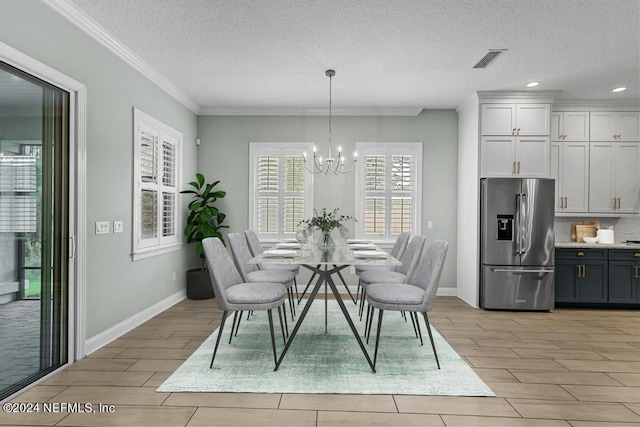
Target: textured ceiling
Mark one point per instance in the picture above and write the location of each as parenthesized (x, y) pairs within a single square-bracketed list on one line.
[(234, 55)]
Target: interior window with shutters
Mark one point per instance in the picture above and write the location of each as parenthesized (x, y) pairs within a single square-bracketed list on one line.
[(156, 167), (281, 189), (388, 178)]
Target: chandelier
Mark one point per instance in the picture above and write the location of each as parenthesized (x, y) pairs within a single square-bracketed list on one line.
[(329, 163)]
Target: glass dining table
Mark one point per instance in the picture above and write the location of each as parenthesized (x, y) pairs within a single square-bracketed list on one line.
[(324, 263)]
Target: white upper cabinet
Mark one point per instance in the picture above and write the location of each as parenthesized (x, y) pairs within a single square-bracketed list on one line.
[(570, 169), (615, 126), (510, 156), (570, 126), (614, 177), (516, 119)]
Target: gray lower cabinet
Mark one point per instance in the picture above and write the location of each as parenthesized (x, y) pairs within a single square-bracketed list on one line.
[(624, 276), (597, 276), (581, 276)]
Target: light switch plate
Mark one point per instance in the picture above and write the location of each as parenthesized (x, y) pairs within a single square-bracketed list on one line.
[(118, 226), (102, 227)]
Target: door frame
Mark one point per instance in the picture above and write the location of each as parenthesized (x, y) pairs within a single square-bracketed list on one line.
[(77, 190)]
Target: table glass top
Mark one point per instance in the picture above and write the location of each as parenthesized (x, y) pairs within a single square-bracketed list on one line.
[(342, 254)]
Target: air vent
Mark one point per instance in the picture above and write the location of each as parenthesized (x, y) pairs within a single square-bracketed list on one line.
[(489, 58)]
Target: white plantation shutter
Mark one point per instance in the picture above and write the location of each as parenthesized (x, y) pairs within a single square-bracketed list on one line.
[(388, 178), (268, 187), (281, 189), (293, 177), (157, 165), (401, 193)]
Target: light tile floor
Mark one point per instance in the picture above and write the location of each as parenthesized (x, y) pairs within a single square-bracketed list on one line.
[(568, 367)]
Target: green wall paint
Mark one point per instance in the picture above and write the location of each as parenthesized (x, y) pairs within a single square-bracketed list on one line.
[(117, 287), (224, 155)]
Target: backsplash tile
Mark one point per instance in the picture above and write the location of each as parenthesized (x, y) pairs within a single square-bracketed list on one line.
[(625, 228)]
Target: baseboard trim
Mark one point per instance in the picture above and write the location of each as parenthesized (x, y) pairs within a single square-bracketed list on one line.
[(98, 341), (447, 292)]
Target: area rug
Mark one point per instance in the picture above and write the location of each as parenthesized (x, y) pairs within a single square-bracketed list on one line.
[(332, 362)]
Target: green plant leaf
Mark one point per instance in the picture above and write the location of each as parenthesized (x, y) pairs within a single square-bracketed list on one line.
[(195, 205), (200, 179)]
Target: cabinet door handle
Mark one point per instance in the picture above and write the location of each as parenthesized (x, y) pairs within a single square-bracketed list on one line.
[(565, 202), (584, 271), (637, 255), (580, 253), (618, 202), (518, 167), (513, 131), (513, 167), (578, 271), (635, 276)]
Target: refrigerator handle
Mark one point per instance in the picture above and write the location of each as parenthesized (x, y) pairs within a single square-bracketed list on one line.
[(517, 227), (523, 220)]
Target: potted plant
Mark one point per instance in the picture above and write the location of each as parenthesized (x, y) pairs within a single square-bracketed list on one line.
[(205, 220)]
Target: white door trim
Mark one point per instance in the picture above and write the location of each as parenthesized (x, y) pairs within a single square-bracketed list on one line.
[(77, 188)]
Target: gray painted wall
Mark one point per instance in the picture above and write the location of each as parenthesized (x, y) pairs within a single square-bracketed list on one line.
[(223, 155), (117, 288)]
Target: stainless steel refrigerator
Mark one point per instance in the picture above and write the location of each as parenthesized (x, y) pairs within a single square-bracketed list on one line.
[(517, 244)]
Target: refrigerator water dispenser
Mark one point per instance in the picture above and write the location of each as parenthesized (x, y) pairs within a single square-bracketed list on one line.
[(505, 227)]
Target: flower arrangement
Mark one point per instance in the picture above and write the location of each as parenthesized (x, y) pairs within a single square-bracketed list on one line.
[(326, 221)]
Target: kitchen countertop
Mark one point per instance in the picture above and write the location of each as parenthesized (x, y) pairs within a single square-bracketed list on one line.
[(618, 245)]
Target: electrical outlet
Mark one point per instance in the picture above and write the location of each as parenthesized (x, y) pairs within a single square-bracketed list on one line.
[(429, 225), (118, 226), (102, 227)]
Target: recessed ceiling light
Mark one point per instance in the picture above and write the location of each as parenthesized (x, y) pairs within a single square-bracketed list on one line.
[(619, 89), (533, 84)]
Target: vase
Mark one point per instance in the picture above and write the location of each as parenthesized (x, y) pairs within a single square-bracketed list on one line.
[(326, 241)]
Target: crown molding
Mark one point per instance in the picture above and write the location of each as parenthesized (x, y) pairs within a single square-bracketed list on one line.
[(310, 111), (511, 96), (77, 17), (597, 104)]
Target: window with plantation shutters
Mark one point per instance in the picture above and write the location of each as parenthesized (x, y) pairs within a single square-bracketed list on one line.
[(387, 177), (156, 168), (281, 189)]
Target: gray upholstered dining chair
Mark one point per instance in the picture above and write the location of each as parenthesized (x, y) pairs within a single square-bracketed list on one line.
[(415, 296), (255, 247), (234, 294), (409, 260), (251, 273), (396, 251)]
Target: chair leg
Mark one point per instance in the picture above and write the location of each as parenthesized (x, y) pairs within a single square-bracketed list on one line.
[(435, 353), (375, 354), (295, 285), (413, 322), (284, 338), (233, 325), (284, 312), (366, 322), (414, 314), (273, 338), (358, 291), (370, 321), (363, 301), (238, 325), (289, 297), (215, 350)]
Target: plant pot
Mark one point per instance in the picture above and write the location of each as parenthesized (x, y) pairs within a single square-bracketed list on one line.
[(199, 284)]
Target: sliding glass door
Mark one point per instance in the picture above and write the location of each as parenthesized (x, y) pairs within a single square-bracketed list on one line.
[(34, 228)]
